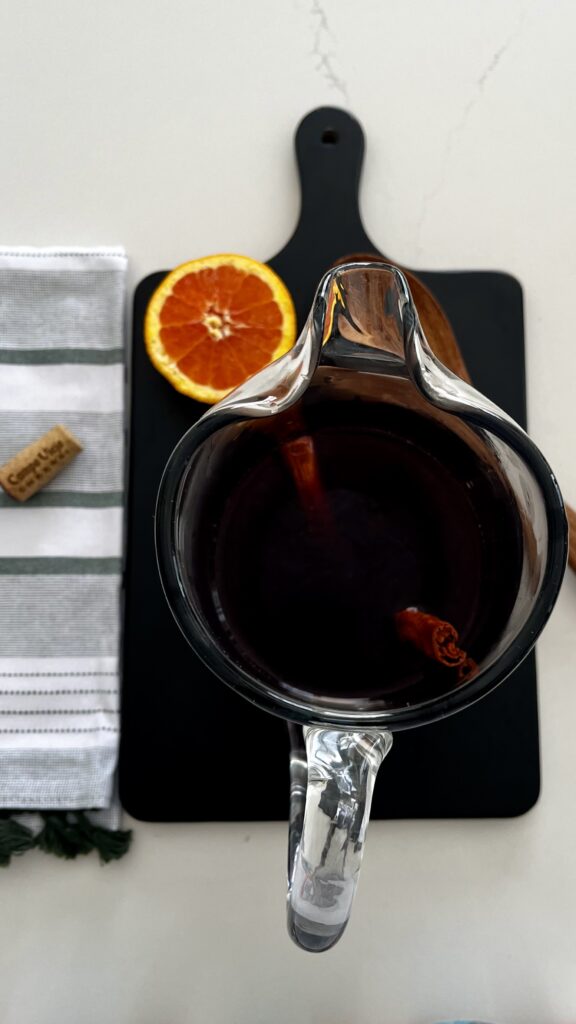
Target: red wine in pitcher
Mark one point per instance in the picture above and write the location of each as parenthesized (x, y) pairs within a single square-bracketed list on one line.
[(337, 539)]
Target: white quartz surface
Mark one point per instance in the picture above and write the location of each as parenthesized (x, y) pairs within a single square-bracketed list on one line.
[(166, 125)]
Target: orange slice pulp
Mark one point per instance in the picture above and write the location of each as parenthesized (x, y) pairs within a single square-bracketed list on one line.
[(215, 321)]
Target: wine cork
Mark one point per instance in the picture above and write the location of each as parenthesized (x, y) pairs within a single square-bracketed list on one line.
[(38, 463)]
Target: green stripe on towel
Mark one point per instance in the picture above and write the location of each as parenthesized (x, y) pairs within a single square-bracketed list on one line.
[(45, 356), (68, 499), (61, 566)]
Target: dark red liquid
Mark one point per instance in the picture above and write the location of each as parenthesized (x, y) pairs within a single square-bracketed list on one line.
[(302, 585)]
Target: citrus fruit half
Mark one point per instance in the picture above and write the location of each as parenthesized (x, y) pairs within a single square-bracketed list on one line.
[(215, 321)]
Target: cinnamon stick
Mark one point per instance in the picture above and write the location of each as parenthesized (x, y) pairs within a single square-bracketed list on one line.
[(571, 514), (466, 669), (436, 639)]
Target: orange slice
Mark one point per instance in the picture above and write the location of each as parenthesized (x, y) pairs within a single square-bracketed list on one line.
[(215, 321)]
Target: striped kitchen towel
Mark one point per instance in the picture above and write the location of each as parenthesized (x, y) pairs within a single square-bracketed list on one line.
[(61, 361)]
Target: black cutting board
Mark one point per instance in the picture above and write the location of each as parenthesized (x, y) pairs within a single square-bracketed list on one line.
[(191, 749)]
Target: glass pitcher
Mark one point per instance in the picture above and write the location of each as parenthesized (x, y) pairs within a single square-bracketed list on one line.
[(412, 494)]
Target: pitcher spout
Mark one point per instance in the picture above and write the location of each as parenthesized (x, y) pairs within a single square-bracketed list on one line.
[(362, 318)]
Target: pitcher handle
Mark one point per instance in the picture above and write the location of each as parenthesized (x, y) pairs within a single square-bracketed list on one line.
[(331, 785)]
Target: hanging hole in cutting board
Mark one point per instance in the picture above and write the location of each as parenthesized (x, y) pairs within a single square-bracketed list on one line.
[(330, 137)]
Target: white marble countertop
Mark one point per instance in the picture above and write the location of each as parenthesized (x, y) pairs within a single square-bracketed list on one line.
[(166, 125)]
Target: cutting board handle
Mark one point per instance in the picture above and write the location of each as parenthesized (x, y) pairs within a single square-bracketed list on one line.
[(329, 145), (330, 152)]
